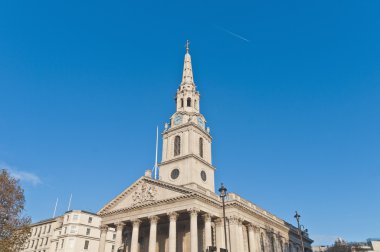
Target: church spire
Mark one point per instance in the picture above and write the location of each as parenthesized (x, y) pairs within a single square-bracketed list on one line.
[(187, 76)]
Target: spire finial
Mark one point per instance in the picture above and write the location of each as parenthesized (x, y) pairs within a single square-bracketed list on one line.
[(187, 46), (187, 76)]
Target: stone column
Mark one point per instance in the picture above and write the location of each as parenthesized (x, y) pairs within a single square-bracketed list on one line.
[(135, 235), (173, 231), (219, 229), (252, 239), (119, 235), (153, 233), (241, 237), (207, 220), (235, 234), (193, 229), (103, 237)]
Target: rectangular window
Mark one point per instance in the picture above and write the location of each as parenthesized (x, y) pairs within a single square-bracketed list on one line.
[(47, 239), (86, 243), (68, 217), (75, 217), (44, 229), (89, 219), (88, 231), (114, 236), (49, 228), (56, 246), (113, 248), (63, 240), (73, 229)]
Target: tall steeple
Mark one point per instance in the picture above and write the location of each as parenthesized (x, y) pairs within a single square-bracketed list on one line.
[(187, 76), (186, 152)]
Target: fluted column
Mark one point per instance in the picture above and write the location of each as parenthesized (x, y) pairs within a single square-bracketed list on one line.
[(241, 237), (193, 229), (207, 220), (135, 235), (119, 234), (153, 233), (173, 231), (235, 234), (219, 230), (103, 237), (251, 239)]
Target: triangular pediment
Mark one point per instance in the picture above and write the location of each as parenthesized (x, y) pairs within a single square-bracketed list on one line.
[(144, 191)]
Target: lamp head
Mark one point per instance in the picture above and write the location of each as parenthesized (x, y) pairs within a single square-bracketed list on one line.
[(297, 216), (223, 191)]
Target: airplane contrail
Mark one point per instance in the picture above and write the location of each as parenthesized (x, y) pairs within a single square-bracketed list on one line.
[(234, 34)]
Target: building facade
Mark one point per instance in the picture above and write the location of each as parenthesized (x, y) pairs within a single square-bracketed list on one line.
[(180, 211), (75, 231)]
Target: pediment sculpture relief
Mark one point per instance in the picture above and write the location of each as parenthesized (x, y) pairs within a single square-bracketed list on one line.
[(144, 193)]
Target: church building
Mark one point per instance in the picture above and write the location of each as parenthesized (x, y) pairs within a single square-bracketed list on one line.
[(180, 211)]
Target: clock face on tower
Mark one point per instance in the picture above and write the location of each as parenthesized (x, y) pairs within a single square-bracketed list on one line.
[(201, 123), (177, 120)]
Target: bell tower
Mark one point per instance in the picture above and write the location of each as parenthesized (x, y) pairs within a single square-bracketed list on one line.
[(186, 152)]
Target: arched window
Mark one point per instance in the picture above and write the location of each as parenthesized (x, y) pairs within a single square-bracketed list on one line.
[(181, 102), (177, 145), (273, 244), (201, 147), (189, 102)]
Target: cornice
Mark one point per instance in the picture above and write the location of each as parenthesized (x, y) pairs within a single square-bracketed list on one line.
[(184, 125), (185, 157)]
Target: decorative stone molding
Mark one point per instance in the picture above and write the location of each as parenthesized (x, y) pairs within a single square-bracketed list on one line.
[(153, 219), (146, 192), (173, 216), (136, 222), (207, 217)]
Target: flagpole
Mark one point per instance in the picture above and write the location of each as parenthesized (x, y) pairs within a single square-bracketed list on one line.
[(55, 208), (155, 163)]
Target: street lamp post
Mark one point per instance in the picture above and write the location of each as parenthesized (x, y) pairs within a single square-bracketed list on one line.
[(223, 194), (297, 216)]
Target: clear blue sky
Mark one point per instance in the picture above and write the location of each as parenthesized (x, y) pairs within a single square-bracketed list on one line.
[(290, 89)]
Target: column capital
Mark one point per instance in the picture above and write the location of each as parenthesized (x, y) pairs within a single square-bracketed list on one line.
[(173, 216), (153, 219), (136, 222), (252, 227), (119, 224), (103, 228), (218, 221), (193, 211), (207, 217), (235, 220)]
